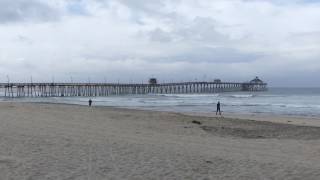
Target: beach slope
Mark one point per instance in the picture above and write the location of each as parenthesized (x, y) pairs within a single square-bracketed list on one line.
[(51, 141)]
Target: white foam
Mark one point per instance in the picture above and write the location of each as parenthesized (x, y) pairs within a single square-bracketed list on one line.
[(242, 95), (189, 95)]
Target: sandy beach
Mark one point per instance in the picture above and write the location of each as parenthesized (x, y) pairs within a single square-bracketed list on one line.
[(52, 141)]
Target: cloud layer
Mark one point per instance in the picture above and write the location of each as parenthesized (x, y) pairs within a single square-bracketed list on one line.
[(129, 41)]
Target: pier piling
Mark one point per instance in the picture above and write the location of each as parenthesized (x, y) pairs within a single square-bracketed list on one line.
[(108, 89)]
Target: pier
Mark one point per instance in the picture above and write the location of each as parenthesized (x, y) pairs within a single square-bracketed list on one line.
[(109, 89)]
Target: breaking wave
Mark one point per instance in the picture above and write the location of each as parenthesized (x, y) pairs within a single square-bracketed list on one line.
[(242, 96), (187, 95)]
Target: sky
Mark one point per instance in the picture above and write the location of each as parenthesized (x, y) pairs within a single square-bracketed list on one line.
[(172, 40)]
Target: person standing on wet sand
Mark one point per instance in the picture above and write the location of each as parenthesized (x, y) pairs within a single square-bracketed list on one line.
[(218, 108), (90, 102)]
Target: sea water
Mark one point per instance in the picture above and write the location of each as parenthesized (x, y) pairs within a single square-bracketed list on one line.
[(276, 101)]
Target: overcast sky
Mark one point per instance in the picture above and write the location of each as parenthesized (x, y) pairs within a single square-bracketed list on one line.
[(173, 40)]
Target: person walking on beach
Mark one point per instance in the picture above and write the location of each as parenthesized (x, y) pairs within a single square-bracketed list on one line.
[(90, 102), (218, 108)]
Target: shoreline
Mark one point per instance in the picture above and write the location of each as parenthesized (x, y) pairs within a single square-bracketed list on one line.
[(235, 107), (293, 120)]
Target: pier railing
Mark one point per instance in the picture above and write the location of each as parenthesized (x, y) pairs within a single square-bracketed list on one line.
[(107, 89)]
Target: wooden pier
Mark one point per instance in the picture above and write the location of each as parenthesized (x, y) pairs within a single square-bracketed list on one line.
[(108, 89)]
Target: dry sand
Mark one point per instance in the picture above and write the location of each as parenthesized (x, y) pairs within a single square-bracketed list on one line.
[(46, 141)]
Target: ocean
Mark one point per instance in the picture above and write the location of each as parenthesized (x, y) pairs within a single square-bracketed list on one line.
[(276, 101)]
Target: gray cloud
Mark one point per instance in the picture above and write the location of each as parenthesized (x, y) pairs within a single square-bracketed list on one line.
[(203, 29), (211, 55), (26, 10), (173, 40), (160, 35)]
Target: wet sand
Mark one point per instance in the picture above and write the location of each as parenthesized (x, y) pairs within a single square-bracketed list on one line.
[(48, 141), (294, 120)]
